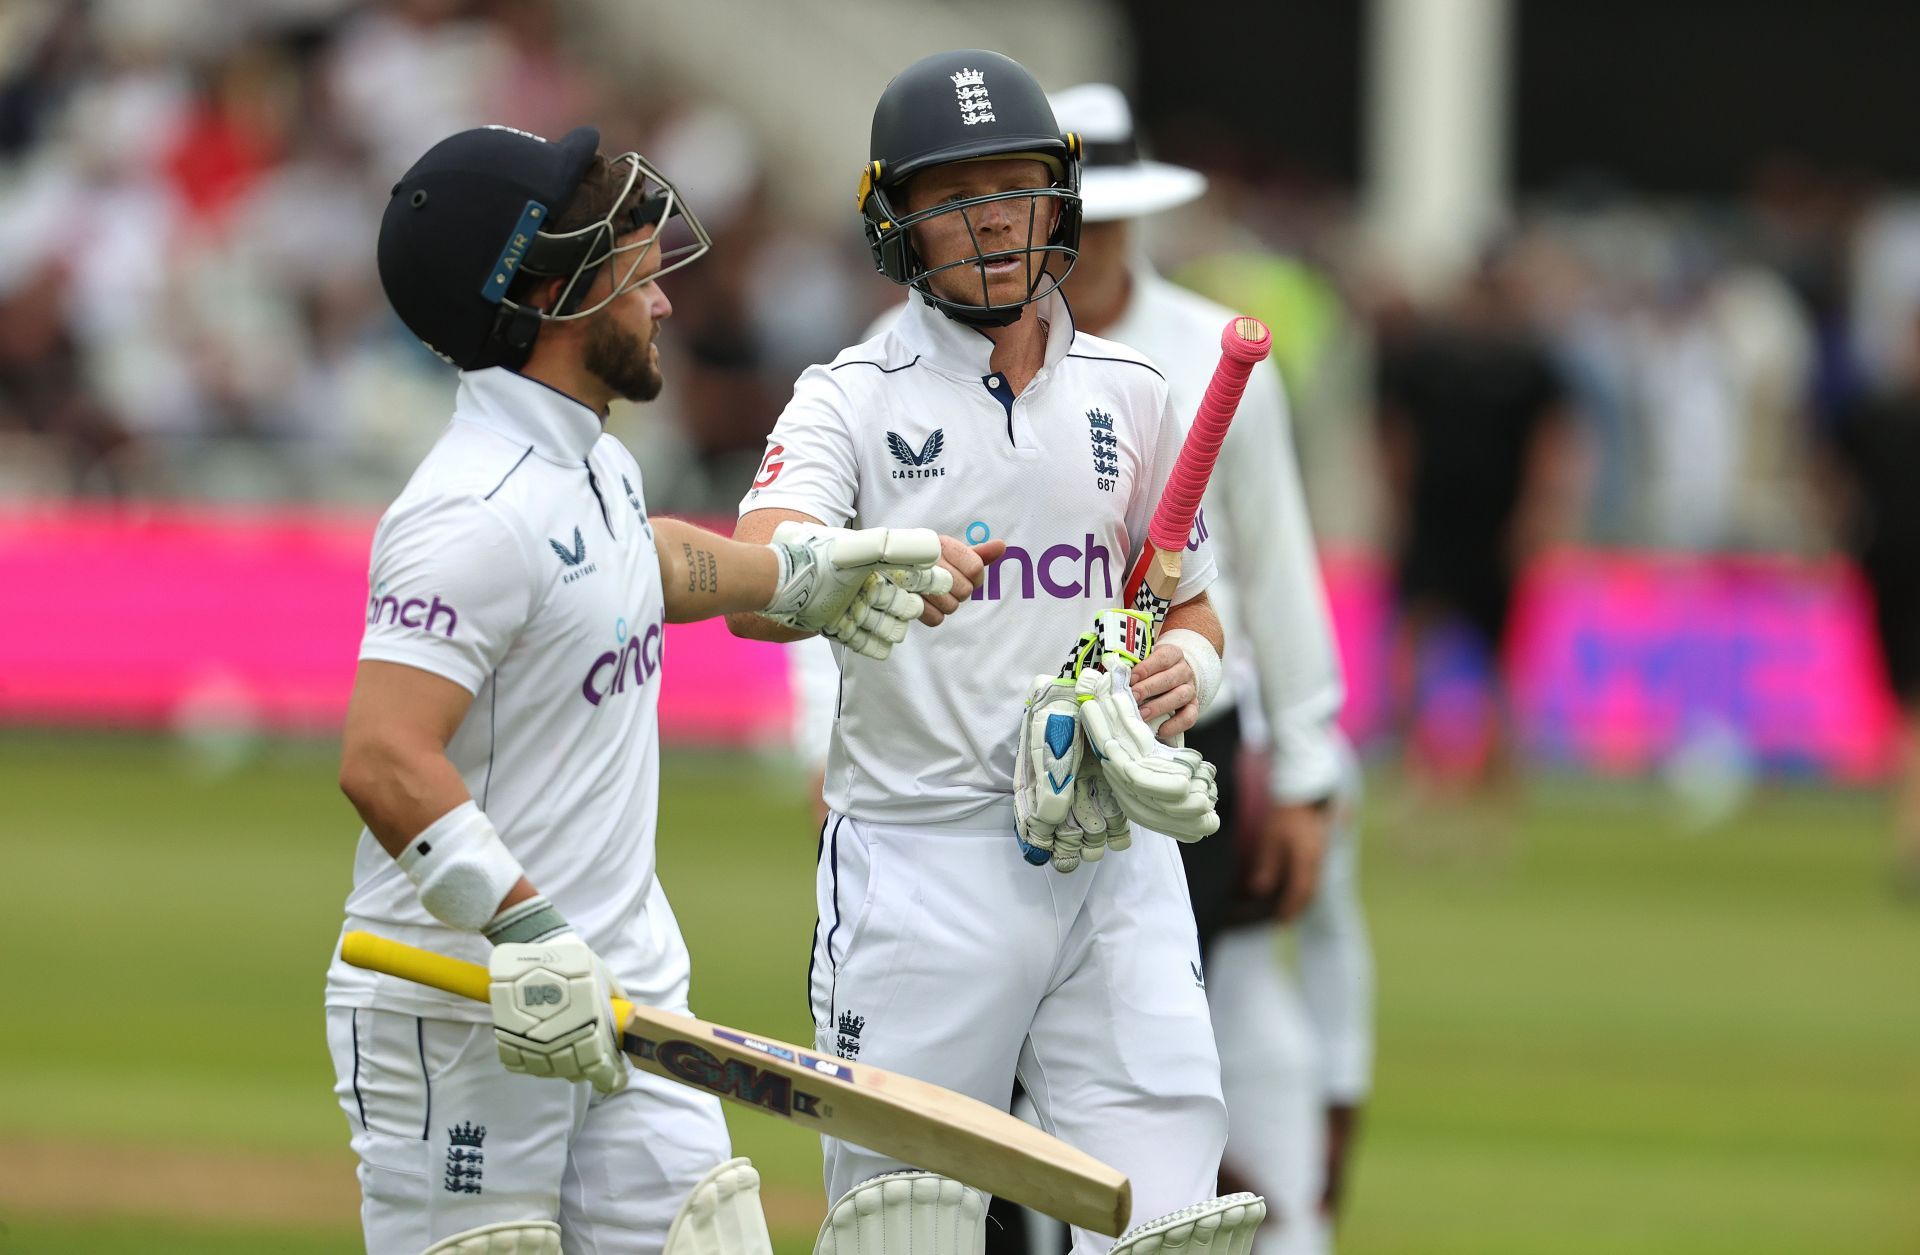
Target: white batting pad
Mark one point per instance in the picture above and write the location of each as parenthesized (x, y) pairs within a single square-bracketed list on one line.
[(514, 1237), (1219, 1226), (722, 1215), (906, 1213)]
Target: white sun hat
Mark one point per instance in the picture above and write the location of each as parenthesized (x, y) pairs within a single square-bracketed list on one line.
[(1115, 181)]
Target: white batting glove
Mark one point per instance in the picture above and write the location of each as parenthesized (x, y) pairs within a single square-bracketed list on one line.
[(1046, 766), (1166, 789), (861, 588), (1064, 810), (553, 1012)]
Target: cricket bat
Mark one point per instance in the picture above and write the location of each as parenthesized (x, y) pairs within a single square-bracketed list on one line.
[(934, 1129)]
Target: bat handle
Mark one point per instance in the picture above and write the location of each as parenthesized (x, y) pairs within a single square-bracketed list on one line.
[(1243, 345), (436, 971)]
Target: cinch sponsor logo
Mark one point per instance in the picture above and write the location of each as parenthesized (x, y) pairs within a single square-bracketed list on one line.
[(637, 656), (1062, 571), (414, 612)]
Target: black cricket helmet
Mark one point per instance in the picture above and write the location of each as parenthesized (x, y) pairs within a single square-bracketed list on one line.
[(476, 211), (968, 105)]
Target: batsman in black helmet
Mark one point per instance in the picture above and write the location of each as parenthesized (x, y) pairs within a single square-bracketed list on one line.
[(502, 744), (995, 899)]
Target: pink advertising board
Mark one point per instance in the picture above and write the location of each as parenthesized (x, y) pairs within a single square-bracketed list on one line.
[(151, 616)]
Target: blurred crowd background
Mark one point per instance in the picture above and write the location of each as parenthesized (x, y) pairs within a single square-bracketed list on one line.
[(188, 306), (1538, 275)]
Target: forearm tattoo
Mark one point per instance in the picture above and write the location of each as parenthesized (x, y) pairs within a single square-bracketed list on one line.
[(703, 570)]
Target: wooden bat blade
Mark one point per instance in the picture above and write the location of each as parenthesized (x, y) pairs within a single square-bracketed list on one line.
[(934, 1129)]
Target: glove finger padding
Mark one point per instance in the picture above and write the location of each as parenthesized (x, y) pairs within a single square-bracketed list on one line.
[(904, 547), (932, 580), (1096, 809), (1045, 766), (1166, 789), (876, 620)]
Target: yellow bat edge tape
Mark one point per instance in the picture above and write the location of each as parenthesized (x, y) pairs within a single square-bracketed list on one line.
[(424, 967)]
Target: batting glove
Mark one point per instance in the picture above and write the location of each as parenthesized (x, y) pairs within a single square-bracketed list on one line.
[(861, 588), (1046, 766), (1166, 789), (553, 1011)]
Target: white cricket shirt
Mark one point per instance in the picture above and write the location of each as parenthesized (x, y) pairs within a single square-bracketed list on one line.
[(913, 428), (519, 563), (1270, 596)]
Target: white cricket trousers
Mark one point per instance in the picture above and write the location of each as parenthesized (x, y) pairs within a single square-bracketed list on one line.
[(942, 954), (450, 1140)]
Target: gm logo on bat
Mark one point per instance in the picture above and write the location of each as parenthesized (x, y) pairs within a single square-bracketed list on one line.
[(736, 1079)]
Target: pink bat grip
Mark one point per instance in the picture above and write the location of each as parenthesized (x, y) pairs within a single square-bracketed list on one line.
[(1240, 352)]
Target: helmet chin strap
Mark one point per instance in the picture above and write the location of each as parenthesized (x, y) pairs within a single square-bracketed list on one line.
[(975, 315)]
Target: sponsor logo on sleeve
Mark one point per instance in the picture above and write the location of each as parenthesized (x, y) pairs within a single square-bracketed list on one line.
[(771, 465), (423, 614)]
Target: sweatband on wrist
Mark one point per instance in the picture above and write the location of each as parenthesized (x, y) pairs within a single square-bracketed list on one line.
[(794, 560), (536, 919), (461, 868), (1202, 657)]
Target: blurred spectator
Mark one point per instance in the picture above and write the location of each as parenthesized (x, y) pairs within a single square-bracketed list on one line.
[(1481, 462), (1876, 444)]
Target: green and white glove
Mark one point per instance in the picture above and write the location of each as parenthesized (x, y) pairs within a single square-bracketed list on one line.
[(1167, 789), (1064, 810), (861, 588), (1046, 766), (552, 1000)]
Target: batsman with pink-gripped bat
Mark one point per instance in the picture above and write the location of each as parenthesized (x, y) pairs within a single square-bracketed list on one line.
[(940, 953), (1089, 763)]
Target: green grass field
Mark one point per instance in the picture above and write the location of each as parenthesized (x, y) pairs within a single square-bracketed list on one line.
[(1596, 1033)]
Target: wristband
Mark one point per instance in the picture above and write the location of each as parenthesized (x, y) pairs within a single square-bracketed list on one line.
[(790, 590), (1202, 657), (536, 919), (461, 868)]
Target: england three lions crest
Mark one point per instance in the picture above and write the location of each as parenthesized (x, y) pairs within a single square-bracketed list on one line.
[(970, 87)]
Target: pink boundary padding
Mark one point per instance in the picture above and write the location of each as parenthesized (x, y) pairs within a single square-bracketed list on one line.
[(158, 616), (1615, 659)]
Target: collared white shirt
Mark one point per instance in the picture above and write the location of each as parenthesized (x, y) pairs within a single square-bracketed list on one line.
[(519, 564), (1270, 595), (913, 428)]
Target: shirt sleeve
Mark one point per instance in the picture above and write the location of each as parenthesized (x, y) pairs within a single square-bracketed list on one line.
[(1169, 432), (449, 590), (809, 464)]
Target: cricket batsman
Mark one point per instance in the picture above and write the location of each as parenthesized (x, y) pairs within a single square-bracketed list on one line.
[(502, 743), (1295, 1050), (941, 951)]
